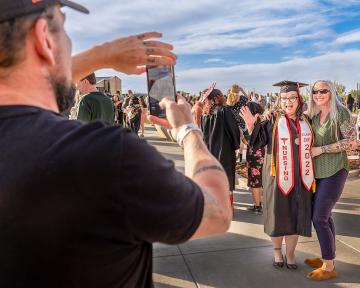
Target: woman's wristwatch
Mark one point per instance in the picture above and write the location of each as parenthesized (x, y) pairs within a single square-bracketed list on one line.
[(184, 131)]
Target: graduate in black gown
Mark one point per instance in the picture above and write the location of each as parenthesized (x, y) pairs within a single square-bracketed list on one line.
[(288, 180), (221, 133)]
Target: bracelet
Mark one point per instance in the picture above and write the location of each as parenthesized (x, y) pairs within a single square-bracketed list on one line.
[(184, 131), (323, 150)]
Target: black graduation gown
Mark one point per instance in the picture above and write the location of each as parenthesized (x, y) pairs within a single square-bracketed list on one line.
[(222, 137), (135, 122), (283, 215)]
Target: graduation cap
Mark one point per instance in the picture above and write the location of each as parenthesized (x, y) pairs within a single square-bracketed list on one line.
[(207, 92), (288, 86)]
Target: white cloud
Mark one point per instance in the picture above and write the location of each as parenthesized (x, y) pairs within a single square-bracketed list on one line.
[(349, 37), (342, 67), (214, 60), (217, 27), (200, 26)]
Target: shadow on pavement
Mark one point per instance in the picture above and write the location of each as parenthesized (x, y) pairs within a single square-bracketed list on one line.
[(248, 266)]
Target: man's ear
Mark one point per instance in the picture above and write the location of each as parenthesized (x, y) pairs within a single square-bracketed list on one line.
[(44, 42)]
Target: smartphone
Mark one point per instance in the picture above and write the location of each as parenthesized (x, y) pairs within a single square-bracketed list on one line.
[(161, 83)]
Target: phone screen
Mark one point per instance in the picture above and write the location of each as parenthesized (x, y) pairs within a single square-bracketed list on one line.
[(161, 83)]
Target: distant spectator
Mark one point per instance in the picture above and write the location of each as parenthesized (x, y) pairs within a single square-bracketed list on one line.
[(358, 126), (144, 112), (262, 102), (235, 101), (119, 114), (255, 162), (94, 105), (350, 102), (133, 113), (255, 98)]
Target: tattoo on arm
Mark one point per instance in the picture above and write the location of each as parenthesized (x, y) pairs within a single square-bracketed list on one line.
[(348, 130), (206, 168)]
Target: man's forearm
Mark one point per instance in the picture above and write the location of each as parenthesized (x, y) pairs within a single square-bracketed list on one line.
[(207, 172), (197, 157), (87, 62)]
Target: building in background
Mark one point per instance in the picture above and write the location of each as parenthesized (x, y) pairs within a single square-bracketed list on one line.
[(109, 85)]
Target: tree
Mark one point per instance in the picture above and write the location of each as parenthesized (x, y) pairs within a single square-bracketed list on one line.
[(340, 89)]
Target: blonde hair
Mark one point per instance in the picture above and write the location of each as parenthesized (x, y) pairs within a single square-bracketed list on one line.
[(233, 95), (334, 106)]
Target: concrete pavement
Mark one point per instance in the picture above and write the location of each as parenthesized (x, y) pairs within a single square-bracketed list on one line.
[(243, 256)]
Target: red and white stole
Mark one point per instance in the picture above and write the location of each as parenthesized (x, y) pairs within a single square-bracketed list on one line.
[(285, 155)]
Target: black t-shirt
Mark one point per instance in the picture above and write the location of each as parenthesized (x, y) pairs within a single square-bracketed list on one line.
[(80, 204)]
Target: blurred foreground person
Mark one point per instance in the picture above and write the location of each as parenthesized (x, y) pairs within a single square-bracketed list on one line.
[(73, 210)]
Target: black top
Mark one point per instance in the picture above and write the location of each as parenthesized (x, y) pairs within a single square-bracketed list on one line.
[(80, 204), (236, 111), (283, 215)]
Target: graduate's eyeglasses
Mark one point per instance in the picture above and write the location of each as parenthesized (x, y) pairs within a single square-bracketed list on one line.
[(290, 99), (321, 91)]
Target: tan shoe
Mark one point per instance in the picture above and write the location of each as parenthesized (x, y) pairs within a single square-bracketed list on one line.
[(314, 262), (321, 275)]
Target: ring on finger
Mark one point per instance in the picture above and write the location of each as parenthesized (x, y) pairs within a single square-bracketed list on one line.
[(150, 50)]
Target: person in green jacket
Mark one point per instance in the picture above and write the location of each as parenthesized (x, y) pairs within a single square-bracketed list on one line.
[(94, 105)]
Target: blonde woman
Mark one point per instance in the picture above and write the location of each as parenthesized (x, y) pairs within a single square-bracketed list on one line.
[(335, 133), (235, 101)]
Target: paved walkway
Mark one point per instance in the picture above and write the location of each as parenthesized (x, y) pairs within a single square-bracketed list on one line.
[(243, 256)]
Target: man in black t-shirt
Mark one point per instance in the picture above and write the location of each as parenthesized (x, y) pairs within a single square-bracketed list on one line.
[(68, 218)]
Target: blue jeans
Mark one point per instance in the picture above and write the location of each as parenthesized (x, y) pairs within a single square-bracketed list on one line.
[(328, 192)]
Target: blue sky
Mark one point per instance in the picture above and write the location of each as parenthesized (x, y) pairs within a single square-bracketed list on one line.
[(252, 43)]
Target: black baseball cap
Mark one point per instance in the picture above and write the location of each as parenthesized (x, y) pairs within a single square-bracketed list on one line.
[(11, 9)]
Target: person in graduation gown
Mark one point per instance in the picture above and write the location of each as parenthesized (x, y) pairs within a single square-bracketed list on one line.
[(221, 133), (133, 111), (288, 178)]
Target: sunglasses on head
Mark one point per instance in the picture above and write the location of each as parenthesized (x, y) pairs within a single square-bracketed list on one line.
[(321, 91)]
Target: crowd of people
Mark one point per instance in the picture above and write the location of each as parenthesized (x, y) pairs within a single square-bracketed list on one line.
[(82, 202), (92, 105)]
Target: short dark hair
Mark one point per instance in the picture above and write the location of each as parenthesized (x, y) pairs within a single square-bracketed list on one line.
[(13, 34), (91, 78), (255, 108)]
